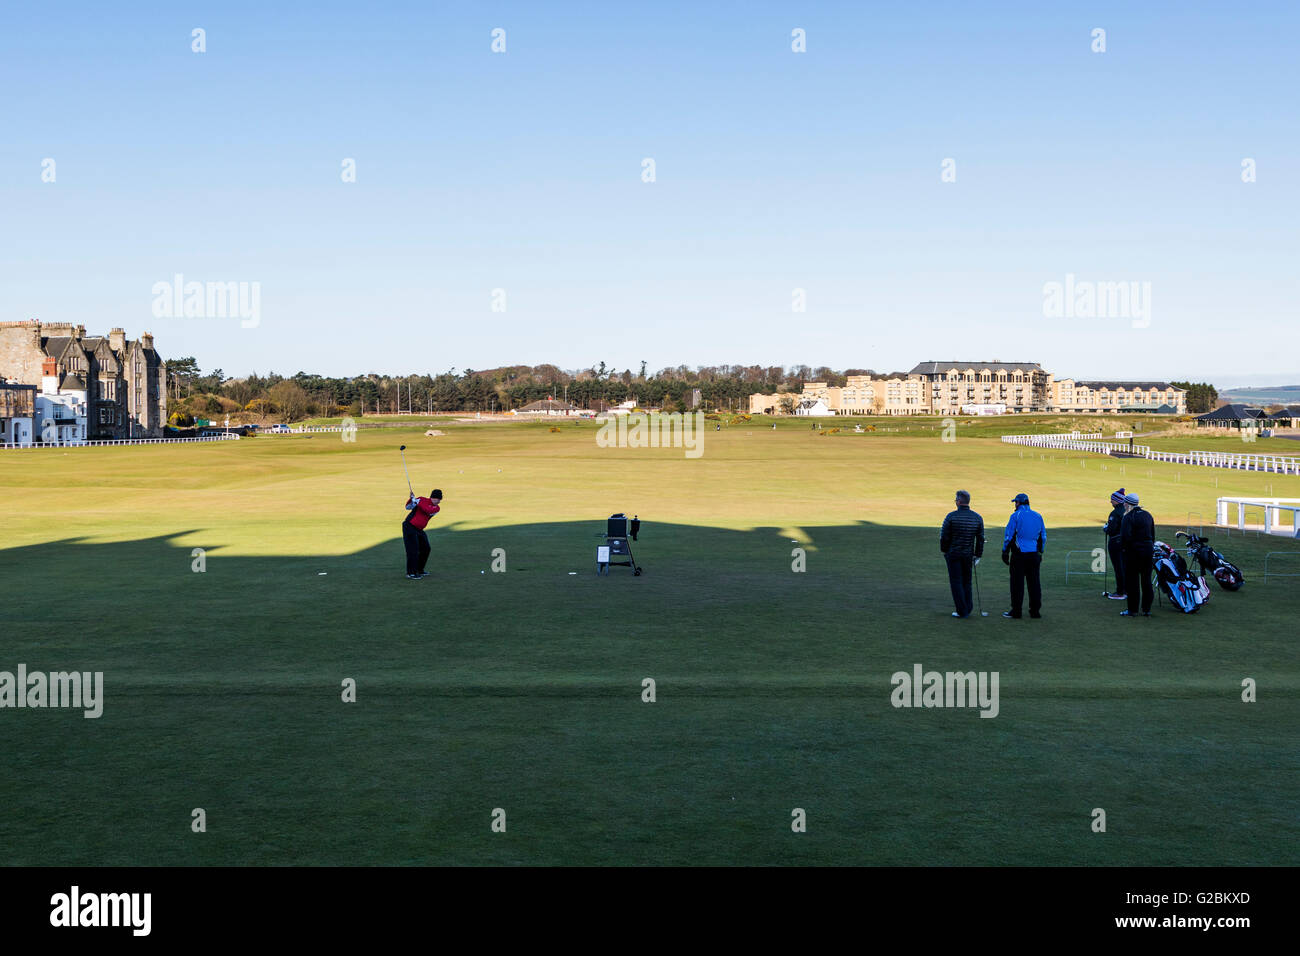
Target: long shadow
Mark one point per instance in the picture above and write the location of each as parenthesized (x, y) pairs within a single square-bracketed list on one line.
[(524, 689)]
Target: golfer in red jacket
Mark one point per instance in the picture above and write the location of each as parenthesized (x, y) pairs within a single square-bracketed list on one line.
[(413, 536)]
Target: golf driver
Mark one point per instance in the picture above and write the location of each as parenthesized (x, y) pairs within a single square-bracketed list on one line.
[(978, 596), (402, 449)]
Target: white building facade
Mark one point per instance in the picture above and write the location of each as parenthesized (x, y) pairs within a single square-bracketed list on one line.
[(60, 407)]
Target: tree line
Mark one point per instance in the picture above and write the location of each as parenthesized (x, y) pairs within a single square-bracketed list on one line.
[(1201, 396), (196, 394)]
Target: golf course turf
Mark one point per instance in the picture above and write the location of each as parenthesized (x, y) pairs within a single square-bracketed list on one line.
[(522, 690)]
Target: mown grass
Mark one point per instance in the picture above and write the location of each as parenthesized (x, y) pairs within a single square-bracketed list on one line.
[(522, 690)]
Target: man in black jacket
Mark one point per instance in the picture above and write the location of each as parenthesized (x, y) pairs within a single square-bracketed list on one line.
[(1113, 547), (1138, 538), (962, 542)]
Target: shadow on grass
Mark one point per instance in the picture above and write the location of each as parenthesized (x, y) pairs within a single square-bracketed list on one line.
[(524, 690), (843, 578)]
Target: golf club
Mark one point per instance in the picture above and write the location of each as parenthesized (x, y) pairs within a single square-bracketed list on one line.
[(979, 597), (402, 449), (1105, 549)]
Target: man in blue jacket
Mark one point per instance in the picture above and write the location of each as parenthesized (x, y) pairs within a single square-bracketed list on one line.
[(1022, 550)]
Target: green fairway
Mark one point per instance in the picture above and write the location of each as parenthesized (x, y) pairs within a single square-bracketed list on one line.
[(522, 690)]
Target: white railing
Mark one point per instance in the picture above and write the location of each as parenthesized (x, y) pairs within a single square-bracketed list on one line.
[(123, 441), (1275, 464), (1075, 444), (1281, 464), (303, 429), (1274, 509)]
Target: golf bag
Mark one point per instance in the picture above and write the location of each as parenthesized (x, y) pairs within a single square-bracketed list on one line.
[(1186, 593), (1212, 563)]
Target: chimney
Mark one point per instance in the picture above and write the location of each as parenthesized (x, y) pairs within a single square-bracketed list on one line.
[(79, 332), (50, 376), (146, 340), (116, 340)]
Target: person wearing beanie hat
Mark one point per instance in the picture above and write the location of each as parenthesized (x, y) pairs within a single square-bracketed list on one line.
[(1111, 531), (1137, 539), (1022, 551)]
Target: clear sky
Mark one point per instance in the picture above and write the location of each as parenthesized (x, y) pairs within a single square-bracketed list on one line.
[(775, 171)]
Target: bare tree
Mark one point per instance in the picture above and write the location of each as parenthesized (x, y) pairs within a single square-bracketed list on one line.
[(290, 398)]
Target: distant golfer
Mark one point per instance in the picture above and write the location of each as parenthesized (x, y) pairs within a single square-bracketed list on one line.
[(1022, 550), (961, 539), (413, 536), (1113, 546), (1138, 538)]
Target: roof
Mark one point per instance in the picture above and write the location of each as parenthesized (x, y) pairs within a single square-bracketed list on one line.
[(1144, 386), (72, 383), (1232, 413), (547, 404), (1287, 411), (93, 343), (936, 368), (56, 345)]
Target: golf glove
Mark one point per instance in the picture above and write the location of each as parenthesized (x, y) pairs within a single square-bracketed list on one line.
[(977, 562)]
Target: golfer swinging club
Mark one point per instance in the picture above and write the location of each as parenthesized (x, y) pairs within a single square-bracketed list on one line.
[(413, 536)]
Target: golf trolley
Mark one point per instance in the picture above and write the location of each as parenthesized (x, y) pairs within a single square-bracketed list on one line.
[(617, 548)]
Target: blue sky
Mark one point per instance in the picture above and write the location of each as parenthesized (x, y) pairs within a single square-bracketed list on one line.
[(774, 171)]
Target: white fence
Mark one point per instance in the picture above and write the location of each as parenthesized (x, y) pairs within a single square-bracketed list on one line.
[(303, 430), (1275, 464), (1075, 444), (124, 441), (1274, 511)]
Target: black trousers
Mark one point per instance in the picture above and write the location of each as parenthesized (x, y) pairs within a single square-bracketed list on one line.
[(417, 548), (1117, 565), (1137, 572), (959, 572), (1024, 572)]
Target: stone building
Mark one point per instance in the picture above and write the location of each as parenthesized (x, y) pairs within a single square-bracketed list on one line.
[(17, 412), (1072, 395), (952, 388), (1021, 386), (125, 379)]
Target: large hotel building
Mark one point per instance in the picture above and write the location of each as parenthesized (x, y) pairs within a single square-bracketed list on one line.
[(954, 388)]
